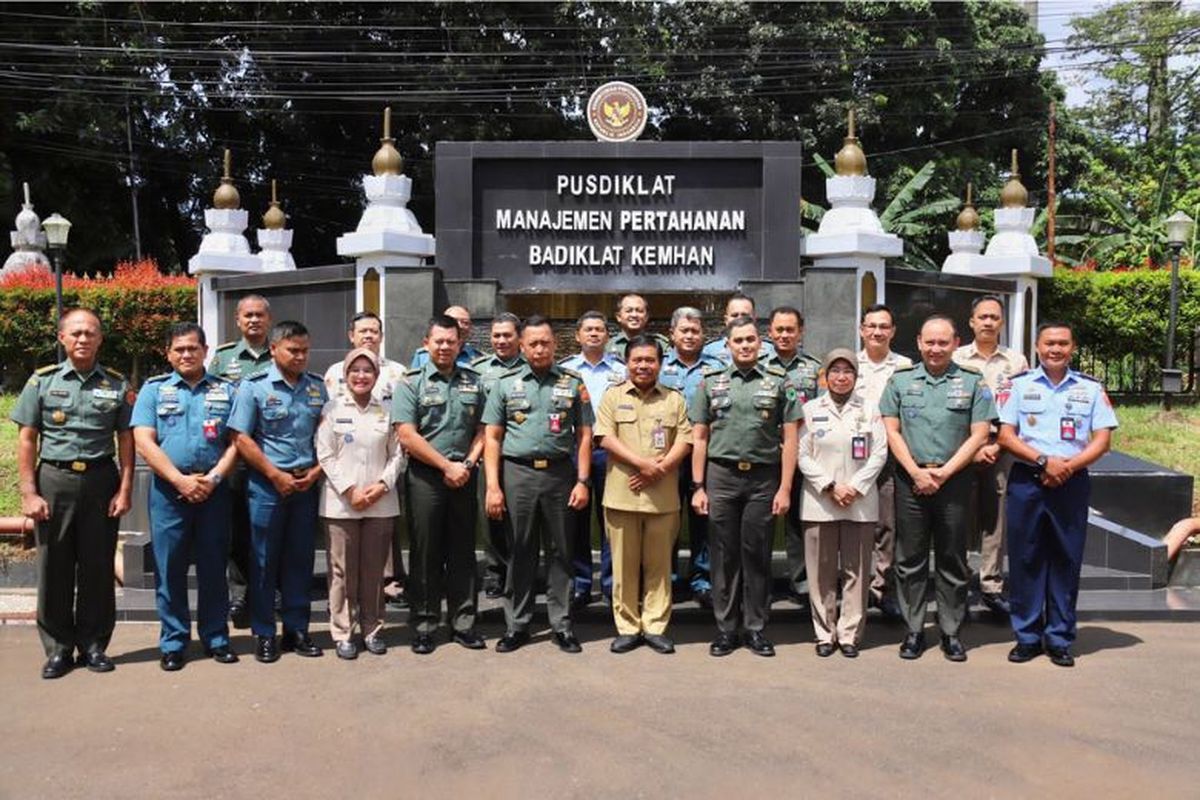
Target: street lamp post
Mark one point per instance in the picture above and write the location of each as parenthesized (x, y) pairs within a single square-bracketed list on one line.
[(1179, 231), (57, 229)]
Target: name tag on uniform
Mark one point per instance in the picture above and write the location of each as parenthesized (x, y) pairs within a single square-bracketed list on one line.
[(468, 387), (59, 393), (217, 395), (563, 391), (821, 419), (106, 394), (344, 421)]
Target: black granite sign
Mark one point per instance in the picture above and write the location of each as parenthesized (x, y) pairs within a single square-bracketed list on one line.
[(585, 217)]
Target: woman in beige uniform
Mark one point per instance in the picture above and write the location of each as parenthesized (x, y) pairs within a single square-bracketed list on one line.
[(361, 459), (842, 449)]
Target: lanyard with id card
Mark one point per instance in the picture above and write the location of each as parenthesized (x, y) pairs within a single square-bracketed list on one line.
[(1066, 429)]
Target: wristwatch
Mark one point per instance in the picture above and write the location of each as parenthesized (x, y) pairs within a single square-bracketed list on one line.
[(468, 463), (585, 481), (1041, 462), (697, 486), (215, 478), (829, 486)]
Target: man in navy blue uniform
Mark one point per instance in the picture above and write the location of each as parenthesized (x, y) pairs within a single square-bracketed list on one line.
[(180, 428), (1055, 422), (274, 420)]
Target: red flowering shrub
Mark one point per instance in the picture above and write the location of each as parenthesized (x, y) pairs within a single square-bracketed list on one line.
[(136, 304)]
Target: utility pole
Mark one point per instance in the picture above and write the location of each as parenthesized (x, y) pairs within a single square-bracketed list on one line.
[(132, 178), (1051, 212)]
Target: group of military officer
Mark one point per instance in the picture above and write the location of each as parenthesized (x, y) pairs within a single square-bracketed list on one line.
[(235, 476)]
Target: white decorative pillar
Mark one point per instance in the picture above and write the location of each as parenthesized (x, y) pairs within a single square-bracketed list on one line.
[(388, 235), (849, 240), (274, 241), (1012, 254), (223, 250), (28, 241)]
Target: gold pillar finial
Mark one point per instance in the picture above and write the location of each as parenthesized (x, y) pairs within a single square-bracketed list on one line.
[(968, 218), (226, 196), (387, 159), (1014, 194), (850, 160), (274, 219)]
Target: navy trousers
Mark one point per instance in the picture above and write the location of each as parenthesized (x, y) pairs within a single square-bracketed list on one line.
[(1046, 532), (282, 532), (180, 532)]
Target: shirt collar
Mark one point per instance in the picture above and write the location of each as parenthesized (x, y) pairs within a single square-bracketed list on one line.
[(628, 387), (1039, 374), (66, 368)]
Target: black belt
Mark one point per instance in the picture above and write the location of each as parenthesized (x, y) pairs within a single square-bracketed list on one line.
[(80, 465), (196, 470), (537, 463), (298, 472), (740, 466)]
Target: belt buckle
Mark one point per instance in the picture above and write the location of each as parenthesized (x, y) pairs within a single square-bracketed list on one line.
[(299, 472), (744, 466), (78, 466), (541, 463)]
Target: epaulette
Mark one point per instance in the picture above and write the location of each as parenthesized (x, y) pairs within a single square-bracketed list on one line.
[(715, 369), (1025, 372), (226, 346), (469, 367), (480, 360), (513, 370), (811, 358), (219, 378), (258, 376), (779, 372), (569, 371), (115, 373), (671, 388), (316, 377), (904, 369), (162, 377), (970, 368), (1092, 378), (412, 371), (46, 370)]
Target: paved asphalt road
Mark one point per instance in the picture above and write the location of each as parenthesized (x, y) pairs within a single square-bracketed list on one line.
[(539, 723)]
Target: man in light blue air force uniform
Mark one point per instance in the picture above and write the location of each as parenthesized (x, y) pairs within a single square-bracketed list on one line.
[(1055, 422)]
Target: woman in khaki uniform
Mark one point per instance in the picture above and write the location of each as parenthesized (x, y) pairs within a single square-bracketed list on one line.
[(358, 506), (842, 450)]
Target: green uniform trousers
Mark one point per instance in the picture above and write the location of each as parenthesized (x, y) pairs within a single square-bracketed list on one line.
[(441, 558), (793, 539), (942, 518), (537, 505), (75, 552), (739, 533)]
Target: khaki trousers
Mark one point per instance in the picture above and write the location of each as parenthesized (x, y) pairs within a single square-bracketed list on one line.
[(991, 485), (885, 537), (833, 550), (641, 545), (358, 550)]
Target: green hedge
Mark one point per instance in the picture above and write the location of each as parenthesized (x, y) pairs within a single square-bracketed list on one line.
[(136, 305), (1123, 313)]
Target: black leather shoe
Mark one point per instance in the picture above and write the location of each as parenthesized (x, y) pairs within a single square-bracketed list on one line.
[(423, 644), (239, 615), (56, 666), (172, 662), (512, 641), (580, 601), (625, 642), (300, 644), (1061, 657), (567, 642), (346, 650), (848, 650), (659, 643), (799, 598), (266, 649), (222, 654), (913, 646), (493, 590), (889, 609), (952, 649), (825, 649), (1024, 652), (375, 646), (703, 598), (760, 645), (96, 661), (724, 644), (399, 602), (996, 603), (469, 639)]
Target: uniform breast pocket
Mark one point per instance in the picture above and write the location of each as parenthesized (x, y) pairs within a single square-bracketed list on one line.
[(1031, 405), (216, 409), (625, 416), (765, 402), (105, 401), (911, 405), (470, 404), (958, 402), (275, 418), (718, 407), (514, 406)]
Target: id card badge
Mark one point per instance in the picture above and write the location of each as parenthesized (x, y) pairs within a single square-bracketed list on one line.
[(1066, 429), (556, 423), (210, 430), (858, 447), (658, 437)]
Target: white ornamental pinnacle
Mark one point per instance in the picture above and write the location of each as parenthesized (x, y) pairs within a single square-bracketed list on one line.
[(850, 198), (224, 248), (28, 240), (387, 205), (274, 239)]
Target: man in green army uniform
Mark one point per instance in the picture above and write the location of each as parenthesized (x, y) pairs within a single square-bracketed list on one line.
[(437, 411), (69, 414), (937, 414), (632, 316), (743, 463), (785, 327), (539, 424), (506, 352), (235, 361)]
